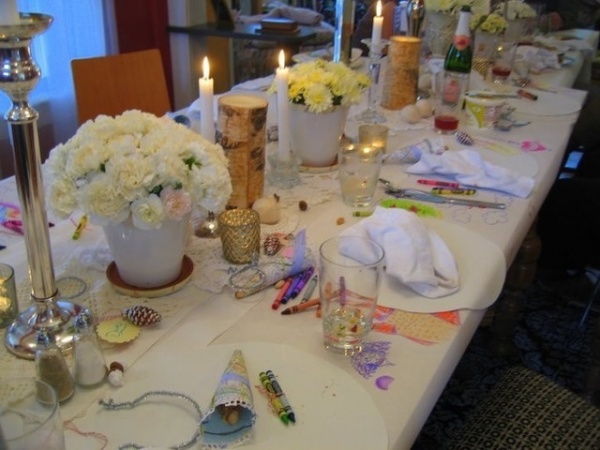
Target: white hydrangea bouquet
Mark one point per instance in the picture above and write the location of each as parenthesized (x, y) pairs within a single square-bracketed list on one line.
[(488, 23), (136, 165), (321, 85), (515, 9)]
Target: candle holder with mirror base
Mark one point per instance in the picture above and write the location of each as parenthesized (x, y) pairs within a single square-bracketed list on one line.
[(50, 311), (371, 115), (284, 173)]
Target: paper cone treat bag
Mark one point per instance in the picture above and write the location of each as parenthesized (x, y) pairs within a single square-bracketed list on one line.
[(230, 418)]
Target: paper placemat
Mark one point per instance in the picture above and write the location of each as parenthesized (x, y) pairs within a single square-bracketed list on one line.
[(476, 258)]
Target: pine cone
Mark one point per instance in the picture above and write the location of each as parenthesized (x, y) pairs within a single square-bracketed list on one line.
[(142, 315), (271, 245)]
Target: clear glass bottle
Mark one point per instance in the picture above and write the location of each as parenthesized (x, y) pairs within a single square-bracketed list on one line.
[(89, 363), (51, 366)]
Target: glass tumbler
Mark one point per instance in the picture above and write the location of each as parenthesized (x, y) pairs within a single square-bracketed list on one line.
[(350, 272), (240, 235), (29, 416)]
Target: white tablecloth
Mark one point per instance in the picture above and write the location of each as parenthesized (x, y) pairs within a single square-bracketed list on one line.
[(415, 373)]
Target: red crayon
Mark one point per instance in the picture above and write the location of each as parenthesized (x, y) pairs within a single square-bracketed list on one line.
[(281, 293)]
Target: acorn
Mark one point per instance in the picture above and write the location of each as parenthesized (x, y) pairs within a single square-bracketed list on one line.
[(142, 315), (271, 245)]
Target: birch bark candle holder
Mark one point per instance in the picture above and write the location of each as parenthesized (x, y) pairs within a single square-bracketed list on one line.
[(402, 73), (242, 134)]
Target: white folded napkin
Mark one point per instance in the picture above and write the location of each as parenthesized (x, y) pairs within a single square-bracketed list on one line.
[(414, 255), (469, 168), (539, 58)]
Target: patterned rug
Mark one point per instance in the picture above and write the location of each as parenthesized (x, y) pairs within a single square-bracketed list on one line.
[(549, 341)]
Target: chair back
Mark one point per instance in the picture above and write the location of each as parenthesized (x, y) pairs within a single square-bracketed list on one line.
[(113, 84)]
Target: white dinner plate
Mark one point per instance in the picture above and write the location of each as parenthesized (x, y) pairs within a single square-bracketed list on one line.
[(332, 410), (481, 268), (547, 104)]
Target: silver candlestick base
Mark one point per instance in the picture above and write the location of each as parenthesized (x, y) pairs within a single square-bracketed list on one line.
[(19, 74), (371, 115)]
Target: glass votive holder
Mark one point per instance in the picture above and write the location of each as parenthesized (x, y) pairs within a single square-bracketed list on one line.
[(373, 135), (240, 235), (9, 307)]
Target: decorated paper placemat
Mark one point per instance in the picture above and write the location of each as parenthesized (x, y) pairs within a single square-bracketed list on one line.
[(426, 329)]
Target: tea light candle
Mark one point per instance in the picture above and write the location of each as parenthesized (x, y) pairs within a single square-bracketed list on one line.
[(207, 123), (9, 14), (8, 295), (377, 25), (283, 120)]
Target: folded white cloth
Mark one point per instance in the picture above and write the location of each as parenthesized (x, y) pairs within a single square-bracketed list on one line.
[(414, 255), (469, 168), (303, 16), (539, 58)]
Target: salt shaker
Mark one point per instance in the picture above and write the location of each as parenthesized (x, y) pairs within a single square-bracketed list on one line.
[(89, 364), (52, 367)]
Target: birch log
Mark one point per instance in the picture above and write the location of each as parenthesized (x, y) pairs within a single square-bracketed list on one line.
[(242, 134)]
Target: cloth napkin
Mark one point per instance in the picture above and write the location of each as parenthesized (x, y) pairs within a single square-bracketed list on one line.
[(539, 58), (469, 168), (414, 255)]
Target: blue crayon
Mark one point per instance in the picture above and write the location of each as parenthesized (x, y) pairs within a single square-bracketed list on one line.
[(275, 400), (279, 392)]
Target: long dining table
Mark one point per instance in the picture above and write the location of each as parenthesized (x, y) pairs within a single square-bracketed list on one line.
[(378, 399)]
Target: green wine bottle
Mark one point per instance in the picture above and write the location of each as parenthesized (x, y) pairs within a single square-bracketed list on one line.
[(460, 54)]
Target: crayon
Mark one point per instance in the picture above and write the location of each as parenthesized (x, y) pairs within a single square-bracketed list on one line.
[(447, 184), (302, 306), (309, 289), (305, 277), (281, 293), (452, 191), (279, 392), (275, 399)]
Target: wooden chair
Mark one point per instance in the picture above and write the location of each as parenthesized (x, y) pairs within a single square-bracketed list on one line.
[(527, 410), (113, 84)]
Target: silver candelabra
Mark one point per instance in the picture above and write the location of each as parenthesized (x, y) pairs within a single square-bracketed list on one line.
[(19, 74)]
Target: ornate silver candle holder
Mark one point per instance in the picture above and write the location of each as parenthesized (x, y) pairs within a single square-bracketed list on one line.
[(19, 74)]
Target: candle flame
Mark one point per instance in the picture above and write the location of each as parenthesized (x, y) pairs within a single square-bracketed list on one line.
[(205, 69), (281, 60), (378, 8)]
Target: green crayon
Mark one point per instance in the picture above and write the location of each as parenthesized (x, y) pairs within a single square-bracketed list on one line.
[(275, 400)]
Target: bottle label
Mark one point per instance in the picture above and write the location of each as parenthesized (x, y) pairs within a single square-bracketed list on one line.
[(451, 90), (461, 41)]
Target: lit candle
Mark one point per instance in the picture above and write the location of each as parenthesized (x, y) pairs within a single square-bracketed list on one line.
[(207, 123), (377, 25), (283, 120), (9, 14)]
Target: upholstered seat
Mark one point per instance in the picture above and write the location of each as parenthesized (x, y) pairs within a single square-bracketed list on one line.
[(526, 410)]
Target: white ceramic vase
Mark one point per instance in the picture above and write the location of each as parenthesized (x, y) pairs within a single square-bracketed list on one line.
[(439, 32), (148, 258), (315, 137)]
